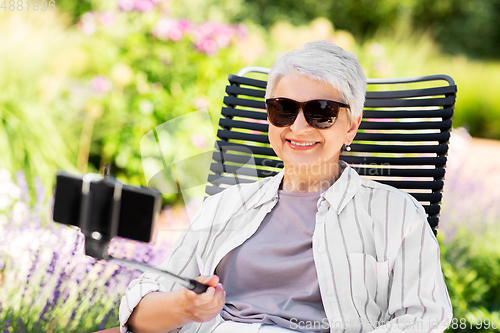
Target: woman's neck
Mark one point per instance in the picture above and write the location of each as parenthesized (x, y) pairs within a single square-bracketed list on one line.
[(310, 180)]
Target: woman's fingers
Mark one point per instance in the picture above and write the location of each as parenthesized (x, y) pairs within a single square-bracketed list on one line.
[(205, 306), (211, 280)]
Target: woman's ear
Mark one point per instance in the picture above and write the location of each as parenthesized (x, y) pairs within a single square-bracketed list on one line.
[(353, 129)]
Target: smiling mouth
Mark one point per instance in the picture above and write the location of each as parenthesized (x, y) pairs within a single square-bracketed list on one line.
[(302, 144)]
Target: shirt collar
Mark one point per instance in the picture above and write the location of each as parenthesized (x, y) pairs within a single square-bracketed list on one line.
[(343, 190), (338, 195)]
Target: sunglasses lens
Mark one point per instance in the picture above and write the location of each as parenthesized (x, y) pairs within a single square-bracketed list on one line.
[(281, 112), (321, 114)]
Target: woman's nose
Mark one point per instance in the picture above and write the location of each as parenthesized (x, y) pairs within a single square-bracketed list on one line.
[(300, 124)]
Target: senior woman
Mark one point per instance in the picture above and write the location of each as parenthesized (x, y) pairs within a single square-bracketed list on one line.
[(315, 248)]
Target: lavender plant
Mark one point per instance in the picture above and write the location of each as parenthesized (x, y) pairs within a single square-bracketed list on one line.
[(47, 283)]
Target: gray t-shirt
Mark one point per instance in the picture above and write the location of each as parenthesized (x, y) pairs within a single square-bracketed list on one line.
[(271, 277)]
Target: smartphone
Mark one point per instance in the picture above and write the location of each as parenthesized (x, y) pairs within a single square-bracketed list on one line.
[(137, 207)]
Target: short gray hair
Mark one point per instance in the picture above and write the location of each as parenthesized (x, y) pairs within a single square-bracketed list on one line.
[(326, 62)]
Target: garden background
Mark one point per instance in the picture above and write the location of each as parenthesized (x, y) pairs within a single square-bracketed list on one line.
[(80, 86)]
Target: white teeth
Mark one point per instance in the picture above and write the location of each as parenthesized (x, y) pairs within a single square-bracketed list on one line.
[(303, 144)]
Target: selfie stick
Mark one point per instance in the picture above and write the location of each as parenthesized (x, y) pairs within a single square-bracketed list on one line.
[(96, 246), (191, 284)]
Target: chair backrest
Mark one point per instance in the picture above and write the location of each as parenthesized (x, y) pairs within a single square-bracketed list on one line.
[(402, 140)]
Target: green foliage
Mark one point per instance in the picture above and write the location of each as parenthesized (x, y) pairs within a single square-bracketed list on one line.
[(31, 139), (471, 267), (142, 79), (461, 26)]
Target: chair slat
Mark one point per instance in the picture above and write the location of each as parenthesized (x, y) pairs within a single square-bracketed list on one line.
[(442, 125), (432, 209), (437, 161), (215, 179), (235, 90), (393, 148), (431, 197), (432, 185), (423, 102), (224, 122), (244, 159), (384, 172), (411, 93), (440, 137), (433, 221), (402, 114), (225, 134), (233, 101), (247, 81), (211, 190), (220, 168), (232, 112), (225, 146)]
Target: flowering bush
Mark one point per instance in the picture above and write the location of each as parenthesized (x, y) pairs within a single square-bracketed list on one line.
[(47, 283)]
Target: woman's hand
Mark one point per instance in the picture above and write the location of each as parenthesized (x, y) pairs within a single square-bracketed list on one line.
[(204, 307)]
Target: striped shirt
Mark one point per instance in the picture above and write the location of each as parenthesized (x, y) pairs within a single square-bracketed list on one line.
[(376, 257)]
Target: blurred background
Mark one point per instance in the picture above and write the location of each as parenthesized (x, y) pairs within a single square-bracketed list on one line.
[(82, 82)]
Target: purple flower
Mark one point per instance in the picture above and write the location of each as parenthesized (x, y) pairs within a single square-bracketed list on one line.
[(40, 190), (100, 84), (7, 325), (23, 185)]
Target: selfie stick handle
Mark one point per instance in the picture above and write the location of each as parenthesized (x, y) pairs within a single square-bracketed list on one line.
[(197, 287)]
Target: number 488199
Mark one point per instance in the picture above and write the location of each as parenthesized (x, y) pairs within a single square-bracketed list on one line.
[(20, 5)]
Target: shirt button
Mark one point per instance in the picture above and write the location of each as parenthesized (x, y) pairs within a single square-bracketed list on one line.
[(330, 292), (321, 249)]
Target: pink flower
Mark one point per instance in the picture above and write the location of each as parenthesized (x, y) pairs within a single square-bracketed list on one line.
[(223, 35), (144, 5), (87, 27), (87, 23), (207, 45), (107, 18), (201, 103), (241, 30), (171, 29), (184, 25), (126, 5), (100, 84), (161, 29), (198, 140)]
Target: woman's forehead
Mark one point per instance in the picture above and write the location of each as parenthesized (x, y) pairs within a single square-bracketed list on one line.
[(302, 88)]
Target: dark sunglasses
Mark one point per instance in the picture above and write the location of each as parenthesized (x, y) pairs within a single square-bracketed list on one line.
[(319, 113)]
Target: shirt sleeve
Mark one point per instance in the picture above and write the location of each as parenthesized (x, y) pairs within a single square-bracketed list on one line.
[(419, 300)]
